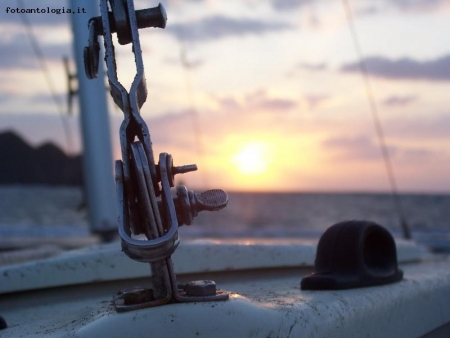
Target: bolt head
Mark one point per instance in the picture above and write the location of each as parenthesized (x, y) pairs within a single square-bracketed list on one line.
[(201, 288)]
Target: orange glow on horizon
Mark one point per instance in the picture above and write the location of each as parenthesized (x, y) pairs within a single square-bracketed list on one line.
[(260, 162)]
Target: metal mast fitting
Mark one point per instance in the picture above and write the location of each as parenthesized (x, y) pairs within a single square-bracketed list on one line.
[(146, 205)]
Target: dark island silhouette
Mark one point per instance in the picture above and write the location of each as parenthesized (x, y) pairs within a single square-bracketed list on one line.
[(20, 163)]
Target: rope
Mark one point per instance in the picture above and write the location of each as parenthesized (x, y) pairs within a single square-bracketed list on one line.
[(376, 121)]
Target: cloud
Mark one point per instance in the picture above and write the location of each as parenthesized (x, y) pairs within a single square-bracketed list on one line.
[(253, 113), (428, 129), (410, 140), (287, 5), (276, 105), (367, 10), (353, 148), (433, 127), (228, 104), (308, 67), (313, 66), (360, 147), (256, 102), (403, 5), (192, 64), (187, 64), (396, 101), (6, 96), (179, 123), (17, 52), (418, 4), (259, 101), (219, 26), (38, 102), (417, 154), (405, 68), (371, 7), (315, 100)]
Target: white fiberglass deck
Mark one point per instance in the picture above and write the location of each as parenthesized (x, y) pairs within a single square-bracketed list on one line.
[(262, 277)]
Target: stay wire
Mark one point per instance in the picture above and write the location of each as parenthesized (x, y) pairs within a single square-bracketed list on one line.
[(376, 120), (193, 113), (43, 65)]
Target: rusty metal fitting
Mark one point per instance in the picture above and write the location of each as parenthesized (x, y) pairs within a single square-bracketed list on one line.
[(166, 160), (188, 203), (91, 52), (200, 288), (120, 22)]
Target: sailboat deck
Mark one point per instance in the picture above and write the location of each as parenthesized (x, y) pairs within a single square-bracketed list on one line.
[(265, 297)]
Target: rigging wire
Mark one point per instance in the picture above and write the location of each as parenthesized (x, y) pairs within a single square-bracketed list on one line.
[(193, 111), (43, 65), (194, 114), (376, 120)]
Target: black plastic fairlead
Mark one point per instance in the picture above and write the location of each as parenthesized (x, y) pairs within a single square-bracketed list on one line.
[(3, 324), (354, 254)]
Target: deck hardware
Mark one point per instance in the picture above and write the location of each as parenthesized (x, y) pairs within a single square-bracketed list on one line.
[(188, 204), (145, 202), (71, 91), (3, 324), (354, 254), (200, 288), (91, 52)]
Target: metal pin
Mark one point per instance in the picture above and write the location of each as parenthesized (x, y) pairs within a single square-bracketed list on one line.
[(184, 169)]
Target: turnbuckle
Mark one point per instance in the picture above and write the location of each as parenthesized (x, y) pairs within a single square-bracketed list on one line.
[(145, 203), (120, 24)]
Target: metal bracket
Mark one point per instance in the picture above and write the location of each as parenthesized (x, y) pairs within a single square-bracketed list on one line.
[(145, 202), (71, 78)]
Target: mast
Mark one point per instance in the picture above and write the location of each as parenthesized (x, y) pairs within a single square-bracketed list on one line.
[(97, 155)]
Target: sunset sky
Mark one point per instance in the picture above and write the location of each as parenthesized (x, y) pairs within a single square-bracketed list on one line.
[(263, 95)]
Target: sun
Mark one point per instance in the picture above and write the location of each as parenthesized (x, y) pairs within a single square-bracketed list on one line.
[(252, 159)]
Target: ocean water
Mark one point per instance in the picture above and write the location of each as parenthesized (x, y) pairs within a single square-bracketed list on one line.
[(36, 211)]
